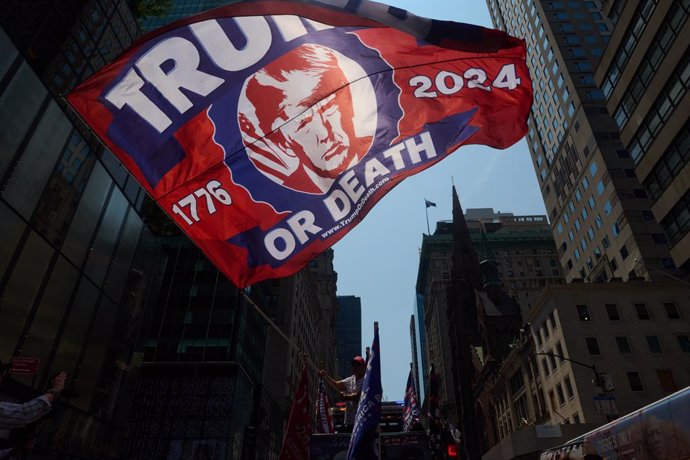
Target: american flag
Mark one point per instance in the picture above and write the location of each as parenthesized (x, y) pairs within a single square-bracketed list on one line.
[(322, 417), (436, 421), (411, 408)]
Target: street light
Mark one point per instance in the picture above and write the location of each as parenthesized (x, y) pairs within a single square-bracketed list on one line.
[(599, 377)]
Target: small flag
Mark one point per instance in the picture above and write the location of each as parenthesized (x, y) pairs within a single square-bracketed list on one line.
[(324, 423), (410, 408), (296, 440), (436, 422), (365, 442), (429, 203)]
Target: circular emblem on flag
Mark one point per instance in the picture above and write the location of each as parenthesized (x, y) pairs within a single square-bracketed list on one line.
[(307, 116)]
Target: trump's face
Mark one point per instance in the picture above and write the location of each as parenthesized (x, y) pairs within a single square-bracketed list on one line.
[(321, 135)]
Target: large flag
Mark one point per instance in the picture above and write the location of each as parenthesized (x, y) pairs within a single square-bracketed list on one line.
[(365, 443), (268, 129), (323, 421), (410, 407), (436, 422), (296, 440)]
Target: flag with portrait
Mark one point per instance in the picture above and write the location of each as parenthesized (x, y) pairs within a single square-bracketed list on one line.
[(268, 129)]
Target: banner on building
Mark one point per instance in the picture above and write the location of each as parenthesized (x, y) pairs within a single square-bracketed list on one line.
[(268, 129)]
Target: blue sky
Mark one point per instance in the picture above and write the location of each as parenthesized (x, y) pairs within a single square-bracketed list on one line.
[(378, 260)]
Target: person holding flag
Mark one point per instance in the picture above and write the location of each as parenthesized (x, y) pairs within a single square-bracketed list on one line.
[(365, 443), (348, 389)]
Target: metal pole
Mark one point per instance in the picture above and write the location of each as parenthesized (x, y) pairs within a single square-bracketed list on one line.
[(426, 210)]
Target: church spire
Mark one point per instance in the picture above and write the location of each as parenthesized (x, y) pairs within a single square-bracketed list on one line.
[(465, 261)]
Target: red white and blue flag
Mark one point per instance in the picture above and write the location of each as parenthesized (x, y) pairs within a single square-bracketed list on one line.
[(410, 407), (365, 442), (437, 423), (268, 129), (323, 423)]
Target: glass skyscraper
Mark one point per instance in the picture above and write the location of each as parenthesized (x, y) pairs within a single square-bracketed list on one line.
[(77, 263)]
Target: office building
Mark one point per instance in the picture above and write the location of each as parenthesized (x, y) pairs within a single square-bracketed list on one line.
[(348, 332), (77, 264), (325, 281), (200, 364), (599, 211), (523, 250), (635, 332), (644, 74)]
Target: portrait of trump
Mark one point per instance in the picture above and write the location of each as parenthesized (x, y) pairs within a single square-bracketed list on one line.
[(306, 117)]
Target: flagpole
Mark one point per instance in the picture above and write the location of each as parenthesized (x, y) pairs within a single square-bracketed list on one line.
[(426, 209), (282, 334)]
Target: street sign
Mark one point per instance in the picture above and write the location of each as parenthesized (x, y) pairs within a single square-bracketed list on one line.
[(24, 366), (548, 431), (605, 405)]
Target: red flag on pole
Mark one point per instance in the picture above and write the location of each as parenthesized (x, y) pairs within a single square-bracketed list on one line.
[(323, 421), (296, 440)]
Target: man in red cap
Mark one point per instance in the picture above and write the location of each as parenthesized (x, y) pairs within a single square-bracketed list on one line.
[(349, 389)]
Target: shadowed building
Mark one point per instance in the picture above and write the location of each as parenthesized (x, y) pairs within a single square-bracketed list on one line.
[(349, 332), (78, 266)]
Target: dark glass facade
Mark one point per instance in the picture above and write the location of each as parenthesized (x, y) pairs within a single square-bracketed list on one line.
[(348, 332), (77, 263), (180, 9), (200, 364)]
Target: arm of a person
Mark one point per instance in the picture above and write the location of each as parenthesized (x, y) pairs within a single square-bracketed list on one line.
[(337, 385), (13, 415)]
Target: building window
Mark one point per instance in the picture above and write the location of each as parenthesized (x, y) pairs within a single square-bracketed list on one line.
[(671, 310), (612, 311), (642, 312), (592, 345), (553, 360), (559, 352), (583, 313), (568, 388), (684, 343), (666, 381), (635, 381), (654, 344), (624, 345), (545, 367), (559, 392)]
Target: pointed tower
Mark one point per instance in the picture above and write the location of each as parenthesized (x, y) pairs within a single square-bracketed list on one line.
[(465, 274), (463, 324)]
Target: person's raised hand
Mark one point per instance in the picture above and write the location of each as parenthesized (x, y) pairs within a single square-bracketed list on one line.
[(58, 382)]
